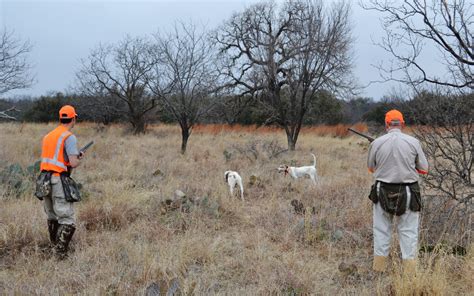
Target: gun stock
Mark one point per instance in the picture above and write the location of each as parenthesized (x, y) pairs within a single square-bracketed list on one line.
[(371, 139)]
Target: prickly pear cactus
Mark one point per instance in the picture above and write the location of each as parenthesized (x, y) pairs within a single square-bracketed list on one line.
[(16, 181)]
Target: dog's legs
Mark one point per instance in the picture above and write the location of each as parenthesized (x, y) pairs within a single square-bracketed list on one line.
[(231, 191), (313, 179), (241, 191), (293, 175)]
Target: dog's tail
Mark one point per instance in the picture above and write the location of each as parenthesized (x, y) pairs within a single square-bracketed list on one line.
[(314, 158)]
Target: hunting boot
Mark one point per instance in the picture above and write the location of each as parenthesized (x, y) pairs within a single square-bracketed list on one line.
[(380, 263), (53, 226), (65, 234), (409, 267)]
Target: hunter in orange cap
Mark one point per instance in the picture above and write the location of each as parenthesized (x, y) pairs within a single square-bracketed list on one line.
[(393, 117), (67, 112), (396, 159), (58, 155)]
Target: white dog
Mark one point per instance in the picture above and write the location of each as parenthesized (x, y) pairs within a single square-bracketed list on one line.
[(298, 172), (233, 178)]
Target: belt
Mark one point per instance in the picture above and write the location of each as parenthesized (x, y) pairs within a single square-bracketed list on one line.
[(58, 174), (399, 184)]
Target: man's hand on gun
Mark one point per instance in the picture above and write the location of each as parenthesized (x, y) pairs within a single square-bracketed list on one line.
[(83, 150)]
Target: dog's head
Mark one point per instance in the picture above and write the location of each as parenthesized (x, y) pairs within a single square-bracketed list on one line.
[(284, 168)]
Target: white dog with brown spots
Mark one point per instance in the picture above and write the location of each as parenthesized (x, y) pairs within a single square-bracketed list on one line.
[(299, 172)]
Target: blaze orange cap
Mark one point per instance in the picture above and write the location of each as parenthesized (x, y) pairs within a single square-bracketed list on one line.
[(393, 115), (67, 111)]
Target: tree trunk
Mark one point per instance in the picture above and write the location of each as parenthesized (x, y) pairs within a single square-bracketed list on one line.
[(184, 139), (291, 141), (293, 130), (139, 125)]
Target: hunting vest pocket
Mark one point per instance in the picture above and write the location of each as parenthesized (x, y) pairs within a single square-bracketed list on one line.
[(373, 194), (415, 202), (43, 185), (393, 198), (71, 190)]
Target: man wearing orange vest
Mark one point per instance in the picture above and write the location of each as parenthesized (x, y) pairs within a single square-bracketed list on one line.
[(60, 154), (396, 159)]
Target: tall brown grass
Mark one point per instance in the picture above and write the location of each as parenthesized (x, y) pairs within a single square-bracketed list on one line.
[(123, 242)]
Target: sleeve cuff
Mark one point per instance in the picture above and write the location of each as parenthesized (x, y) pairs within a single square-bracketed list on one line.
[(422, 172)]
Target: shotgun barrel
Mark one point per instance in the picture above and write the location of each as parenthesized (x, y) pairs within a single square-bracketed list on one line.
[(371, 139), (88, 145)]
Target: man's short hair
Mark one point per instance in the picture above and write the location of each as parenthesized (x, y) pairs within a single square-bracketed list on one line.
[(395, 123)]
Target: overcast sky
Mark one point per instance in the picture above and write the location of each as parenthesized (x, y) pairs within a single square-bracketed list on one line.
[(63, 32)]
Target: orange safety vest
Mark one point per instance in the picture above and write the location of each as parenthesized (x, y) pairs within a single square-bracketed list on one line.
[(52, 154)]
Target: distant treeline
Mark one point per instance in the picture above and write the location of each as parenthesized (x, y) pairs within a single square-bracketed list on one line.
[(326, 109)]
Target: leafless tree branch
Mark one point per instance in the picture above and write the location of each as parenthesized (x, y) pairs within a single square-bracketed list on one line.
[(448, 25), (14, 65), (4, 115)]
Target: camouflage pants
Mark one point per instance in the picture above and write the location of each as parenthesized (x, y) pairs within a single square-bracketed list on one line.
[(56, 207)]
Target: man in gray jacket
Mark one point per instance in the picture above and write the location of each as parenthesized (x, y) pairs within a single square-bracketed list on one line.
[(396, 159)]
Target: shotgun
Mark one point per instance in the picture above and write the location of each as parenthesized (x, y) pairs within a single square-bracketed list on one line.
[(88, 145), (371, 139)]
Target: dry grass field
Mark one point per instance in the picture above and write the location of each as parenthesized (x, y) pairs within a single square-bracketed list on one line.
[(125, 241)]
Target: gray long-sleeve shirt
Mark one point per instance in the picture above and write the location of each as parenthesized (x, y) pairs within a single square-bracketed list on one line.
[(396, 158)]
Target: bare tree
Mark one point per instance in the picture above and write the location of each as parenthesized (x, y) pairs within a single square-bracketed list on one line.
[(122, 72), (448, 25), (5, 115), (282, 55), (323, 62), (186, 76), (14, 65)]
